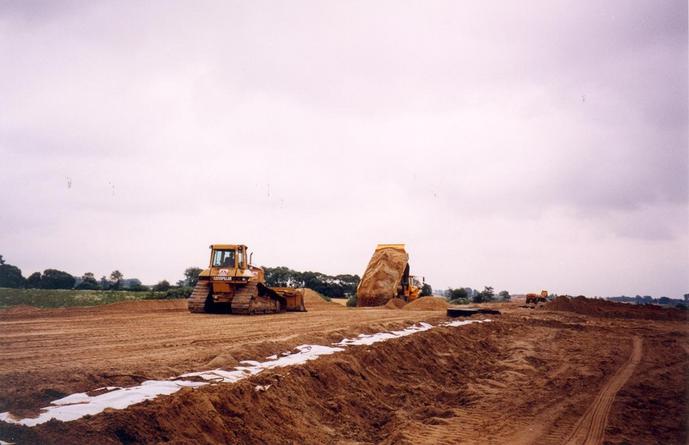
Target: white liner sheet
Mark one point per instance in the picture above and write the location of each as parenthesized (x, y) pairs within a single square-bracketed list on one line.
[(78, 405)]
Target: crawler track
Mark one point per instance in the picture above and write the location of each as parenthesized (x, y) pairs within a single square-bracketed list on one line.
[(249, 300), (197, 302)]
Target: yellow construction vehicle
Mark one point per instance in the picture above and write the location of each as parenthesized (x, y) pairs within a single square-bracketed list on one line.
[(535, 298), (387, 276), (231, 284)]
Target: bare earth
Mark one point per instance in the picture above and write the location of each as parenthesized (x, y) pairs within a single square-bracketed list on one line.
[(530, 376)]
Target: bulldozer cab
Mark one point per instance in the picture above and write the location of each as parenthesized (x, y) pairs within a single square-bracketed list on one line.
[(228, 259)]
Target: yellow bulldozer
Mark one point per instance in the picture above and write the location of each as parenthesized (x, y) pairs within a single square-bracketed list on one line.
[(232, 285), (387, 276)]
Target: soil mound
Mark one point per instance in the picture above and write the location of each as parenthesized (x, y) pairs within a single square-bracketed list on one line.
[(395, 303), (315, 302), (427, 304), (383, 274), (611, 309)]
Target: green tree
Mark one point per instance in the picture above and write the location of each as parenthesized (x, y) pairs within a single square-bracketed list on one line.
[(11, 276), (505, 295), (486, 294), (2, 260), (191, 276), (162, 286), (134, 285), (279, 276), (56, 279), (88, 282), (337, 286), (458, 294), (34, 281), (426, 290), (105, 284), (116, 277)]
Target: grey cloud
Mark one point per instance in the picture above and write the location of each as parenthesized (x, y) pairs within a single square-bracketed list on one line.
[(483, 135)]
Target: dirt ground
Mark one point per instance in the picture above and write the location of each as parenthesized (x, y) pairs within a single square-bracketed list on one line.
[(530, 376)]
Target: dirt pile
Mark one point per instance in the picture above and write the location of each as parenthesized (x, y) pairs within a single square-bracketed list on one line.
[(395, 303), (314, 301), (382, 276), (359, 395), (427, 304), (611, 309)]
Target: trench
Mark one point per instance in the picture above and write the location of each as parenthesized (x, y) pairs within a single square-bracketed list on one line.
[(79, 405)]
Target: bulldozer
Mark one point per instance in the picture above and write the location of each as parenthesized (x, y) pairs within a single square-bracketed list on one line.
[(232, 285), (535, 298), (387, 276)]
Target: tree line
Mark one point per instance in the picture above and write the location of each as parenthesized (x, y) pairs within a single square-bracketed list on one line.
[(332, 286), (466, 295), (11, 276)]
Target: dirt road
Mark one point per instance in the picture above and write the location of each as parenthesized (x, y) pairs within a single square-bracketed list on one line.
[(590, 430)]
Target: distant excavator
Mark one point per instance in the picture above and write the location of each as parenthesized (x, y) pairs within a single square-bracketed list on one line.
[(231, 284), (535, 298), (387, 276)]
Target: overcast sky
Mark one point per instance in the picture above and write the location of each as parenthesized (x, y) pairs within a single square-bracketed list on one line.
[(524, 145)]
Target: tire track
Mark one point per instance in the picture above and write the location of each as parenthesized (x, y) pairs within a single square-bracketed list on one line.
[(590, 429)]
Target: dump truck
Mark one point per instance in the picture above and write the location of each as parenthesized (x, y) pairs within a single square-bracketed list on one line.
[(387, 276), (535, 298), (233, 285)]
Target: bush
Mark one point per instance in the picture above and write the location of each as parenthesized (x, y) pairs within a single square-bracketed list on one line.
[(351, 302), (138, 288), (457, 294), (179, 292), (69, 297), (162, 286), (88, 284), (460, 301), (485, 295), (426, 290)]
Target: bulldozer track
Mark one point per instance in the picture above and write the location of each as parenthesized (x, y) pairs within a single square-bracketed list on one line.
[(249, 300), (197, 301), (590, 429), (242, 302)]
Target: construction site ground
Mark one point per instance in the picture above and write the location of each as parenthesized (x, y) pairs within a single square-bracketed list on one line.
[(529, 376)]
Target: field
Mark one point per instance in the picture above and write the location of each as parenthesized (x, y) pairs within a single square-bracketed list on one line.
[(545, 376), (54, 298)]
